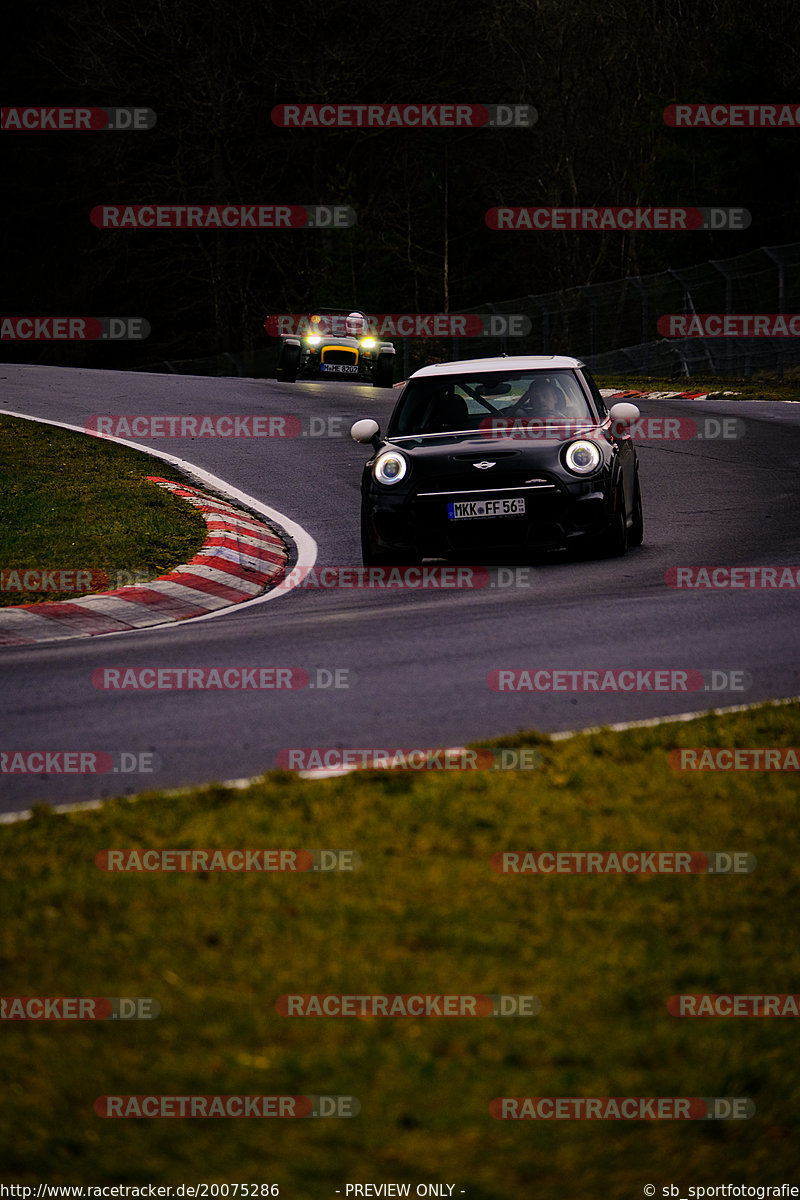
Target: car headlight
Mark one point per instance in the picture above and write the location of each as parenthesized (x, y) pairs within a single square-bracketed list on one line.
[(389, 467), (367, 343), (313, 339), (582, 457)]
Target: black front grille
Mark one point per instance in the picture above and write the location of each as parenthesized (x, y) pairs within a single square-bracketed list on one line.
[(340, 357)]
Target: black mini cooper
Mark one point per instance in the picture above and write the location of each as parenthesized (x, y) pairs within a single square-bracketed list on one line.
[(508, 454)]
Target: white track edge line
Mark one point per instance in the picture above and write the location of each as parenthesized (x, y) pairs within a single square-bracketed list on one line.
[(621, 726), (322, 773)]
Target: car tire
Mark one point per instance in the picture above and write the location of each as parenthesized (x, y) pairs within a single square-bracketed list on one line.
[(614, 542), (636, 531), (383, 375), (288, 364)]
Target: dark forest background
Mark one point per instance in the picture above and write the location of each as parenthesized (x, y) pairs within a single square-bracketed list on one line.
[(599, 74)]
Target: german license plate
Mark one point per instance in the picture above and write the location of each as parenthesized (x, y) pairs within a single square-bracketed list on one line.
[(341, 368), (460, 510)]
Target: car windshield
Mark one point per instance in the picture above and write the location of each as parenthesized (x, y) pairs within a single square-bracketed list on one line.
[(483, 401)]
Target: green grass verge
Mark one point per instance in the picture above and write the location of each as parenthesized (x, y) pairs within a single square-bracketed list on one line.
[(424, 913), (73, 502), (755, 388)]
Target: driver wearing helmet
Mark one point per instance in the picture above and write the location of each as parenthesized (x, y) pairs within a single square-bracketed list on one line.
[(356, 325)]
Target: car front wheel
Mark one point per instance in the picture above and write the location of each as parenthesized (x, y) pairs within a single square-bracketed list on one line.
[(383, 376), (636, 531), (288, 364), (614, 542)]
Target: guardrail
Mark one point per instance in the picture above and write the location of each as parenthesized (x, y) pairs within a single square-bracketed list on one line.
[(611, 326)]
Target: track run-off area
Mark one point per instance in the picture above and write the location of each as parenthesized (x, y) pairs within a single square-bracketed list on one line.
[(375, 667)]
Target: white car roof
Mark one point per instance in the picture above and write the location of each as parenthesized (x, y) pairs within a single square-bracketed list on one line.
[(524, 362)]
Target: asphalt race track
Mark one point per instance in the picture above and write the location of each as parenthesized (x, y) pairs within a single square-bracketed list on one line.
[(416, 662)]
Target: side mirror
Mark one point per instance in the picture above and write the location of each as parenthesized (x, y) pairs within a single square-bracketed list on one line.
[(367, 431), (624, 412)]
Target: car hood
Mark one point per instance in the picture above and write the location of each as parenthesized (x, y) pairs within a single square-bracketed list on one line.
[(457, 457), (491, 442)]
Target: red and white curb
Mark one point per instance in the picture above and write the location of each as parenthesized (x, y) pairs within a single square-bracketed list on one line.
[(631, 394), (241, 557)]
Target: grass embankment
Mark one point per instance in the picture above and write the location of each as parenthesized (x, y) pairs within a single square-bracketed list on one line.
[(716, 386), (73, 502), (424, 913)]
